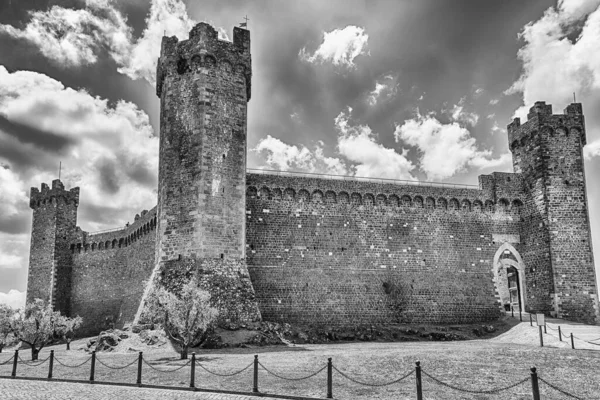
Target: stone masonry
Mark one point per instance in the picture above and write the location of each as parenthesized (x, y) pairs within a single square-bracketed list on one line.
[(305, 249)]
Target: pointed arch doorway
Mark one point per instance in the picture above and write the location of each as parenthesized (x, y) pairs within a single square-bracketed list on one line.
[(509, 278)]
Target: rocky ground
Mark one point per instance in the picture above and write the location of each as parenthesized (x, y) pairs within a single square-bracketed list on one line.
[(145, 337)]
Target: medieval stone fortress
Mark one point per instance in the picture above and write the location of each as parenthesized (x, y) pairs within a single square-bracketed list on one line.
[(309, 249)]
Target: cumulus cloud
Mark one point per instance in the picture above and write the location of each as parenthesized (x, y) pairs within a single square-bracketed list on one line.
[(446, 149), (555, 65), (77, 37), (13, 298), (459, 114), (95, 134), (358, 144), (74, 37), (493, 102), (359, 152), (385, 89), (281, 156), (339, 47)]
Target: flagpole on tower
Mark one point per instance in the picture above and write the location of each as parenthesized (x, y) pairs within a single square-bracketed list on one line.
[(245, 24), (59, 169)]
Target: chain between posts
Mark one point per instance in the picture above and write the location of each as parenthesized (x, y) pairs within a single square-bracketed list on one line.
[(489, 391), (71, 366), (33, 363), (220, 374), (7, 361), (291, 379), (559, 389), (166, 371), (117, 368), (412, 371)]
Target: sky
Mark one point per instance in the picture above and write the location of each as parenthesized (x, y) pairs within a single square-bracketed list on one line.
[(413, 90)]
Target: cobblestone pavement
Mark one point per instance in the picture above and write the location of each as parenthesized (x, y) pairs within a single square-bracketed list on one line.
[(40, 390)]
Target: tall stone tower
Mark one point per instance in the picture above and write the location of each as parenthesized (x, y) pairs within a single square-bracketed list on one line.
[(204, 87), (54, 221), (547, 151)]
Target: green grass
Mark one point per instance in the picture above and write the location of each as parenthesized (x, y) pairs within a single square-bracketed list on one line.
[(477, 364)]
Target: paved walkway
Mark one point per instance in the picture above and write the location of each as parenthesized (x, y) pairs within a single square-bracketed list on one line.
[(585, 336), (40, 390)]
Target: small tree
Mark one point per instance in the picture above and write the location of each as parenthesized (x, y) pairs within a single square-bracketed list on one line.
[(186, 316), (6, 314), (67, 328), (37, 325)]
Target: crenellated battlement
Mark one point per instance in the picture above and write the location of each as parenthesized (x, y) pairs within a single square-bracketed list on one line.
[(144, 224), (49, 195), (502, 193), (542, 125), (203, 52)]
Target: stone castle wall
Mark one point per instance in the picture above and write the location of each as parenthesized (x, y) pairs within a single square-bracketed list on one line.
[(346, 252), (110, 271)]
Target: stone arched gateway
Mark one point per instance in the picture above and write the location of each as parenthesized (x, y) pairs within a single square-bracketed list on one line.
[(507, 260)]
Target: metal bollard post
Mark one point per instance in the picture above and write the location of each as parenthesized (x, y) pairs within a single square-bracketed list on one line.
[(541, 337), (14, 371), (559, 334), (512, 311), (329, 379), (534, 384), (572, 342), (255, 387), (419, 381), (545, 328), (193, 371), (530, 320), (139, 377), (51, 364), (93, 367)]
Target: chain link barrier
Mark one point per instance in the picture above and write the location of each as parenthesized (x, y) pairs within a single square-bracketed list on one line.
[(221, 374), (163, 370), (559, 389), (291, 379), (71, 366), (7, 361), (374, 384), (489, 391), (116, 368), (35, 363), (567, 336)]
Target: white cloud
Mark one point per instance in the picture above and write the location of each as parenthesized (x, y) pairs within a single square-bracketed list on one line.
[(445, 148), (165, 15), (385, 89), (77, 37), (74, 37), (496, 128), (339, 47), (359, 145), (285, 157), (478, 92), (554, 66), (458, 114), (360, 154), (13, 197), (106, 147), (13, 298)]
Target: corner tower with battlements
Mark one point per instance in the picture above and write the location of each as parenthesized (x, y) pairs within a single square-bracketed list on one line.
[(54, 222), (547, 152), (204, 87)]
